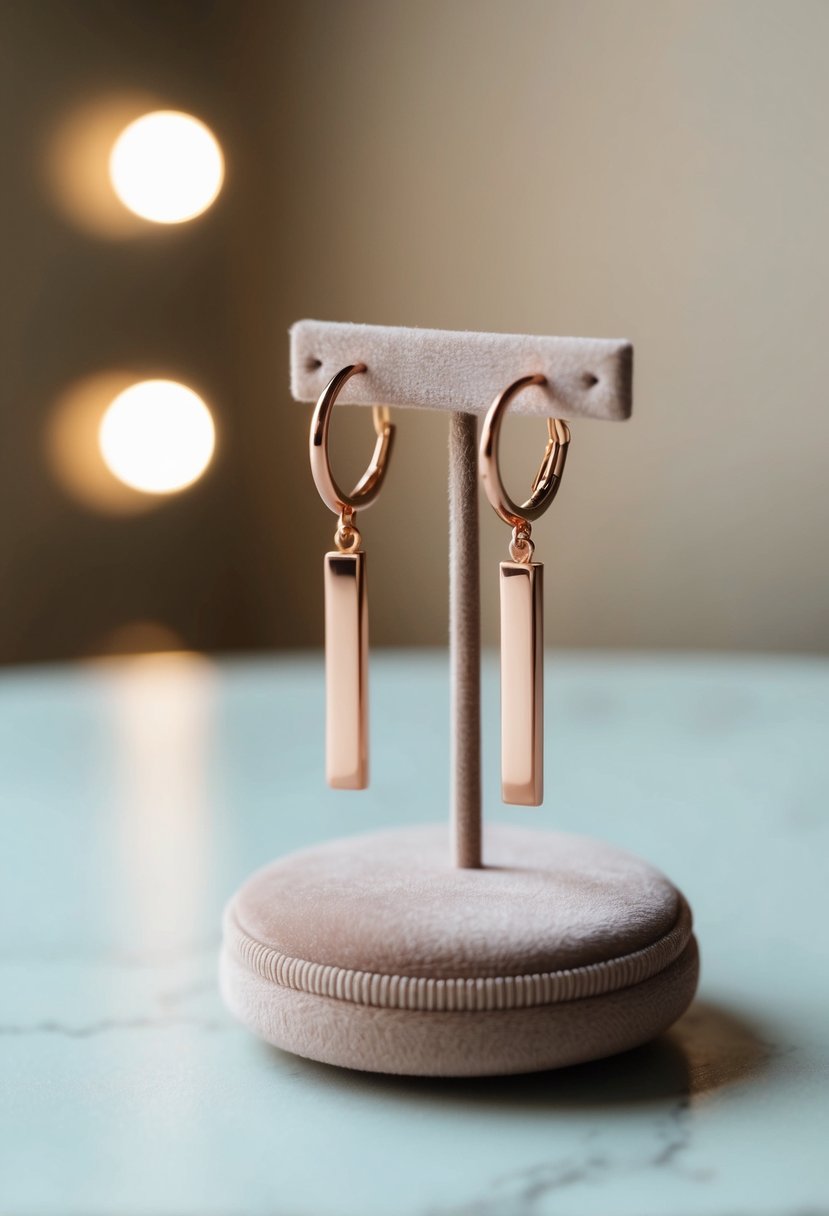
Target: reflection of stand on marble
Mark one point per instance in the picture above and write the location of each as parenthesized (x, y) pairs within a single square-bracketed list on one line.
[(375, 952)]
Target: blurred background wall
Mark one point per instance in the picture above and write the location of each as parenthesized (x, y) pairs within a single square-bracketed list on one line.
[(652, 170)]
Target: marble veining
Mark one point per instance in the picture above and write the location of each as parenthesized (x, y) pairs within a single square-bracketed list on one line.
[(134, 798), (111, 1024), (522, 1194)]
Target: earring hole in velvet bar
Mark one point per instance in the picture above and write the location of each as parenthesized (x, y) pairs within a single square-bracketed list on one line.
[(313, 363), (589, 380)]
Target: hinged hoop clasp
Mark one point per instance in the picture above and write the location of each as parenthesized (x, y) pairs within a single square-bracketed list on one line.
[(369, 485), (547, 479)]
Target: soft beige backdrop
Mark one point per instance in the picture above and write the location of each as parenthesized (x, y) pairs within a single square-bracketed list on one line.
[(655, 170), (646, 169)]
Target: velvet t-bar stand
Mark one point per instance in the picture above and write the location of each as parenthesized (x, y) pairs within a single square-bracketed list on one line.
[(541, 950), (461, 373)]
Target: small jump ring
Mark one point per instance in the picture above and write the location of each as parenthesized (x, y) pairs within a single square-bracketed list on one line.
[(521, 547), (347, 538), (547, 479), (369, 485)]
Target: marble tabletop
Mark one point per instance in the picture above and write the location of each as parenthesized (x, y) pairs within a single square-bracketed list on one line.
[(135, 796)]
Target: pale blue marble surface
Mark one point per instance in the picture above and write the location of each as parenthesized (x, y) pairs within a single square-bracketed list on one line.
[(137, 795)]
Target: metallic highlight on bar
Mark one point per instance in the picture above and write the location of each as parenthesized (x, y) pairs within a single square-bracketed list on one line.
[(346, 671), (522, 683)]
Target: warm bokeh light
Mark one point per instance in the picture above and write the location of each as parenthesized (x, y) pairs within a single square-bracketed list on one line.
[(157, 436), (74, 163), (166, 167)]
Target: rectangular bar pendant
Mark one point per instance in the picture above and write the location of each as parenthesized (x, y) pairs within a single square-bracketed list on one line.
[(346, 671), (522, 683)]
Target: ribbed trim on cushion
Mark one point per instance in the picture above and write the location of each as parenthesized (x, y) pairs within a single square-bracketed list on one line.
[(463, 994)]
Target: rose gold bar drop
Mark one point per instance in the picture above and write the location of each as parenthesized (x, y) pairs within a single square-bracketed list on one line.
[(522, 683), (346, 671)]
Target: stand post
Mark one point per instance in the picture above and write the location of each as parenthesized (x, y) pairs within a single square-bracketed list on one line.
[(465, 641)]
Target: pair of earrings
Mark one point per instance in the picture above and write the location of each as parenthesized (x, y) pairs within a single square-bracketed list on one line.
[(522, 602)]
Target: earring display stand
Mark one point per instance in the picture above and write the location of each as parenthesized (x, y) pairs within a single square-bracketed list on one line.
[(389, 952)]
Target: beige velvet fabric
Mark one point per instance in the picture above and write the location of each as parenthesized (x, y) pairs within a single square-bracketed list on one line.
[(373, 952), (465, 639), (456, 370), (493, 1043), (392, 903)]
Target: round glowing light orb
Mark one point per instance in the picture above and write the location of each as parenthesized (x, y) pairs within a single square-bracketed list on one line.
[(157, 436), (166, 167)]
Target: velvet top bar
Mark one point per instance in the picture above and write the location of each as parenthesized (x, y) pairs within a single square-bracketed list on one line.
[(439, 369)]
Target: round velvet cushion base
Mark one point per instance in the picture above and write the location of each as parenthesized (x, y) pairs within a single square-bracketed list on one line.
[(374, 953)]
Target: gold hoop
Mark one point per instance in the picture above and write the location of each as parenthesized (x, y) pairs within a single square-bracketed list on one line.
[(369, 485), (547, 479)]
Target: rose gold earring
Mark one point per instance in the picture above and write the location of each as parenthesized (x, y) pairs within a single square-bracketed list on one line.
[(346, 608), (522, 603)]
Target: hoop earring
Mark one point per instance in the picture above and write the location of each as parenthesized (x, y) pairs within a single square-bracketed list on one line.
[(346, 606), (522, 603)]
